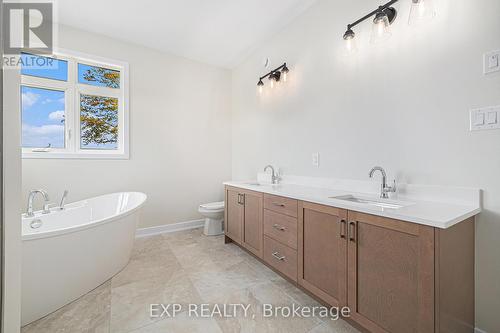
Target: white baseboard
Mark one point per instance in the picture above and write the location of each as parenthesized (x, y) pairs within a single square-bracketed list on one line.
[(477, 330), (167, 228)]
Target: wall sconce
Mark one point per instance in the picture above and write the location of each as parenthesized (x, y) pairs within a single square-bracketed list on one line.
[(421, 11), (385, 15), (275, 76), (381, 30)]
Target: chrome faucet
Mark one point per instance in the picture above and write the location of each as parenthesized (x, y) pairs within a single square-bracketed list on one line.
[(31, 197), (274, 177), (63, 200), (384, 189)]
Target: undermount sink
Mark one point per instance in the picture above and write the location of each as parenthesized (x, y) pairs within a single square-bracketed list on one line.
[(259, 184), (383, 203)]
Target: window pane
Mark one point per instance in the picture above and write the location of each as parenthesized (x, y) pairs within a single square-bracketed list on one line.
[(98, 122), (45, 67), (98, 76), (42, 118)]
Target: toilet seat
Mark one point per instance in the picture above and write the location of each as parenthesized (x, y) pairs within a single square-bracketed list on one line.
[(214, 206)]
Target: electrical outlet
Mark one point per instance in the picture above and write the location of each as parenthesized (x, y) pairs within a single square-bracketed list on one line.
[(492, 62), (315, 159)]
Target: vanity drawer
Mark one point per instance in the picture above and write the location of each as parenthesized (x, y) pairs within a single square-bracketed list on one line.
[(281, 257), (281, 227), (281, 205)]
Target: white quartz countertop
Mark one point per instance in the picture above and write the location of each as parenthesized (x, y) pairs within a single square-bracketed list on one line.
[(440, 214)]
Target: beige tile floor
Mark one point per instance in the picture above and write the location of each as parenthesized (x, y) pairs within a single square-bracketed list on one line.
[(186, 267)]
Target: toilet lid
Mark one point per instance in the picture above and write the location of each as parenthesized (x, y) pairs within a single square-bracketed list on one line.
[(213, 205)]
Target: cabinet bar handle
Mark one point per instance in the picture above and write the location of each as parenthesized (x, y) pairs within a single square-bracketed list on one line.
[(241, 198), (278, 227), (277, 256), (352, 231), (278, 204), (343, 225)]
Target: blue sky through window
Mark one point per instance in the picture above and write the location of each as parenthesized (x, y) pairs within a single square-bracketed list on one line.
[(45, 67), (104, 146), (42, 118)]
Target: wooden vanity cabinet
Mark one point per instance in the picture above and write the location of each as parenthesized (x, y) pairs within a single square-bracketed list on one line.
[(390, 269), (280, 235), (252, 223), (243, 219), (406, 277), (233, 219), (395, 276), (322, 252)]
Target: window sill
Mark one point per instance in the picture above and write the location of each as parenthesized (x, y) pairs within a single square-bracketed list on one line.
[(75, 156)]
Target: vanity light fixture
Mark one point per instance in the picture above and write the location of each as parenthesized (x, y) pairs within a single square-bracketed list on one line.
[(260, 86), (421, 11), (385, 15), (285, 72), (382, 25), (275, 76), (350, 41)]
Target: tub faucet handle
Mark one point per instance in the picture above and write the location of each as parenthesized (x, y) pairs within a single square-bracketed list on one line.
[(63, 199)]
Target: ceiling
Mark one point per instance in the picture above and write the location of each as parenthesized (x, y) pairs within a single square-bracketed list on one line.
[(217, 32)]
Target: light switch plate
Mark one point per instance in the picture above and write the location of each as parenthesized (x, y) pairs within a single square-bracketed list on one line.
[(485, 118), (491, 118), (478, 118), (492, 62)]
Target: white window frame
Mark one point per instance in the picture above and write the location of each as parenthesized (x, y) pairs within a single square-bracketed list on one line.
[(73, 89)]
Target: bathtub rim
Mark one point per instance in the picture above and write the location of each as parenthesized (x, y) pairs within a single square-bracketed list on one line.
[(92, 224)]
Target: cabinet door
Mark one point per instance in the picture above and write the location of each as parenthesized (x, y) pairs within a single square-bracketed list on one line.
[(234, 215), (252, 225), (390, 274), (322, 244)]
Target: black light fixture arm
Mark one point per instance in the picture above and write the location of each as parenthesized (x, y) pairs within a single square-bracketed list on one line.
[(273, 71), (367, 16)]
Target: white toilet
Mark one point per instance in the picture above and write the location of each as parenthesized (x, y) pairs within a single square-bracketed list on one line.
[(214, 218)]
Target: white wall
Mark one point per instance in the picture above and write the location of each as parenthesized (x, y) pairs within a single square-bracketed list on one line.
[(180, 150), (404, 105), (11, 160)]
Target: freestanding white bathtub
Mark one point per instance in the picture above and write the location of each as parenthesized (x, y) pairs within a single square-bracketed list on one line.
[(75, 250)]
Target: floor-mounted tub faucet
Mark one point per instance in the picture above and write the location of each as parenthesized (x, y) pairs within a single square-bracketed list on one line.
[(384, 189), (31, 197)]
